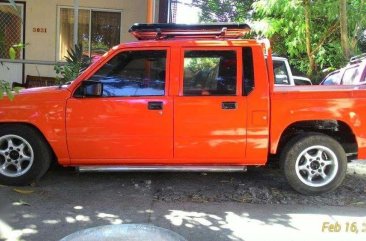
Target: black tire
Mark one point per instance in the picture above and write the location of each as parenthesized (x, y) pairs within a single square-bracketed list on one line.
[(294, 157), (42, 154)]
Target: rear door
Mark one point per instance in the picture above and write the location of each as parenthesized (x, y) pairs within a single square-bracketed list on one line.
[(210, 111)]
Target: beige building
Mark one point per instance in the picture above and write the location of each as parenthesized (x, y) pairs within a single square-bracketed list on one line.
[(47, 27)]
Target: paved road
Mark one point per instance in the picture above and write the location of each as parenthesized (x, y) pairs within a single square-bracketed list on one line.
[(257, 205)]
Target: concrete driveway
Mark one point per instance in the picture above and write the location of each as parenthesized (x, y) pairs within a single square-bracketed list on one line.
[(257, 205)]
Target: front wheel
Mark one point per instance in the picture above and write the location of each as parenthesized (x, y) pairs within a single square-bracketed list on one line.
[(314, 164), (24, 155)]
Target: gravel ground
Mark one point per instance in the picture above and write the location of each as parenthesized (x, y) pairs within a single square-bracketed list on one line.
[(260, 185), (65, 201)]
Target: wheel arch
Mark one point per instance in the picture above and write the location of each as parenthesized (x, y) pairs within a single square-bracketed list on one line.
[(34, 127), (336, 129)]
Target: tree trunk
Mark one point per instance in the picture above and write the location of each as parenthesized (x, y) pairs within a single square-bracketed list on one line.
[(309, 51), (344, 28)]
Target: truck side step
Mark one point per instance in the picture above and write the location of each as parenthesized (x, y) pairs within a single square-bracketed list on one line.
[(157, 168)]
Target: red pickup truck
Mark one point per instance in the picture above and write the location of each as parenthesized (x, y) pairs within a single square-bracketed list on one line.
[(184, 98)]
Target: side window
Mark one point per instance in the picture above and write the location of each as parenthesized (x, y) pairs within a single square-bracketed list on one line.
[(281, 74), (134, 73), (350, 75), (209, 72)]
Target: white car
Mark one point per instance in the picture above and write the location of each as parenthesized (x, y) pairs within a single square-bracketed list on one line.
[(283, 74)]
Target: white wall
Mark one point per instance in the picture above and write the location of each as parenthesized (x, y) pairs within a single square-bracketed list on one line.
[(43, 14)]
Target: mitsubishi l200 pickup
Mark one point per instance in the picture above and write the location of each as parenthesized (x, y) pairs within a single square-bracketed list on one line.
[(184, 98)]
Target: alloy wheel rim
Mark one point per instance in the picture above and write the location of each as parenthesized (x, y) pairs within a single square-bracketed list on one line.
[(16, 156), (316, 166)]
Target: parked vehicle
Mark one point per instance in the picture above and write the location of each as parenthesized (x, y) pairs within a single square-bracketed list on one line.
[(283, 74), (354, 73), (184, 98), (299, 80)]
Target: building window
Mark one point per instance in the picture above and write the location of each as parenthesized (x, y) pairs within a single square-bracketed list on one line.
[(98, 31)]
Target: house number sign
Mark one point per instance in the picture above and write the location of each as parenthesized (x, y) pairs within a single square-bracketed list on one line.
[(40, 30)]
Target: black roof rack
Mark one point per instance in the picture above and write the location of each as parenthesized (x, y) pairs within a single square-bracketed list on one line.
[(357, 58), (172, 30)]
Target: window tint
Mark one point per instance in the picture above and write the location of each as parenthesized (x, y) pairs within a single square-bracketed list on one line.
[(134, 73), (209, 73), (280, 71), (351, 75)]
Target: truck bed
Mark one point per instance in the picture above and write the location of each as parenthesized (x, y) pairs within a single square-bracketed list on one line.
[(342, 104)]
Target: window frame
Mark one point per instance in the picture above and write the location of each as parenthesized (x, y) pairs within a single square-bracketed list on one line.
[(363, 76), (58, 21), (239, 71), (111, 56)]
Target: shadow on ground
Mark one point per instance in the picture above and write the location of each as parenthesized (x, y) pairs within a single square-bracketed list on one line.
[(200, 206)]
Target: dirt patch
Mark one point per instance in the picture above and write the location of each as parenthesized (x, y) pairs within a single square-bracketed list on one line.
[(262, 186)]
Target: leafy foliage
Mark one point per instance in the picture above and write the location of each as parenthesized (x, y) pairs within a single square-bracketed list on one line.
[(362, 41), (76, 62), (223, 10), (287, 28), (14, 49), (196, 64), (5, 88)]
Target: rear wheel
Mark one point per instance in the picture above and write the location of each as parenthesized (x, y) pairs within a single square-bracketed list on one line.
[(24, 155), (314, 164)]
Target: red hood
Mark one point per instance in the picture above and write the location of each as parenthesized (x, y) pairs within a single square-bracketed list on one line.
[(53, 93)]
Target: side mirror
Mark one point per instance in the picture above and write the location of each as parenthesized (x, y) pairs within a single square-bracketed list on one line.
[(90, 88)]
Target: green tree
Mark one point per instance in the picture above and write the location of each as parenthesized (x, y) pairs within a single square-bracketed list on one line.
[(314, 28), (356, 11), (223, 10), (303, 28), (76, 62)]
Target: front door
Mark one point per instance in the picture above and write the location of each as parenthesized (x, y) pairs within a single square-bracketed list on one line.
[(210, 111), (11, 33), (132, 122)]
